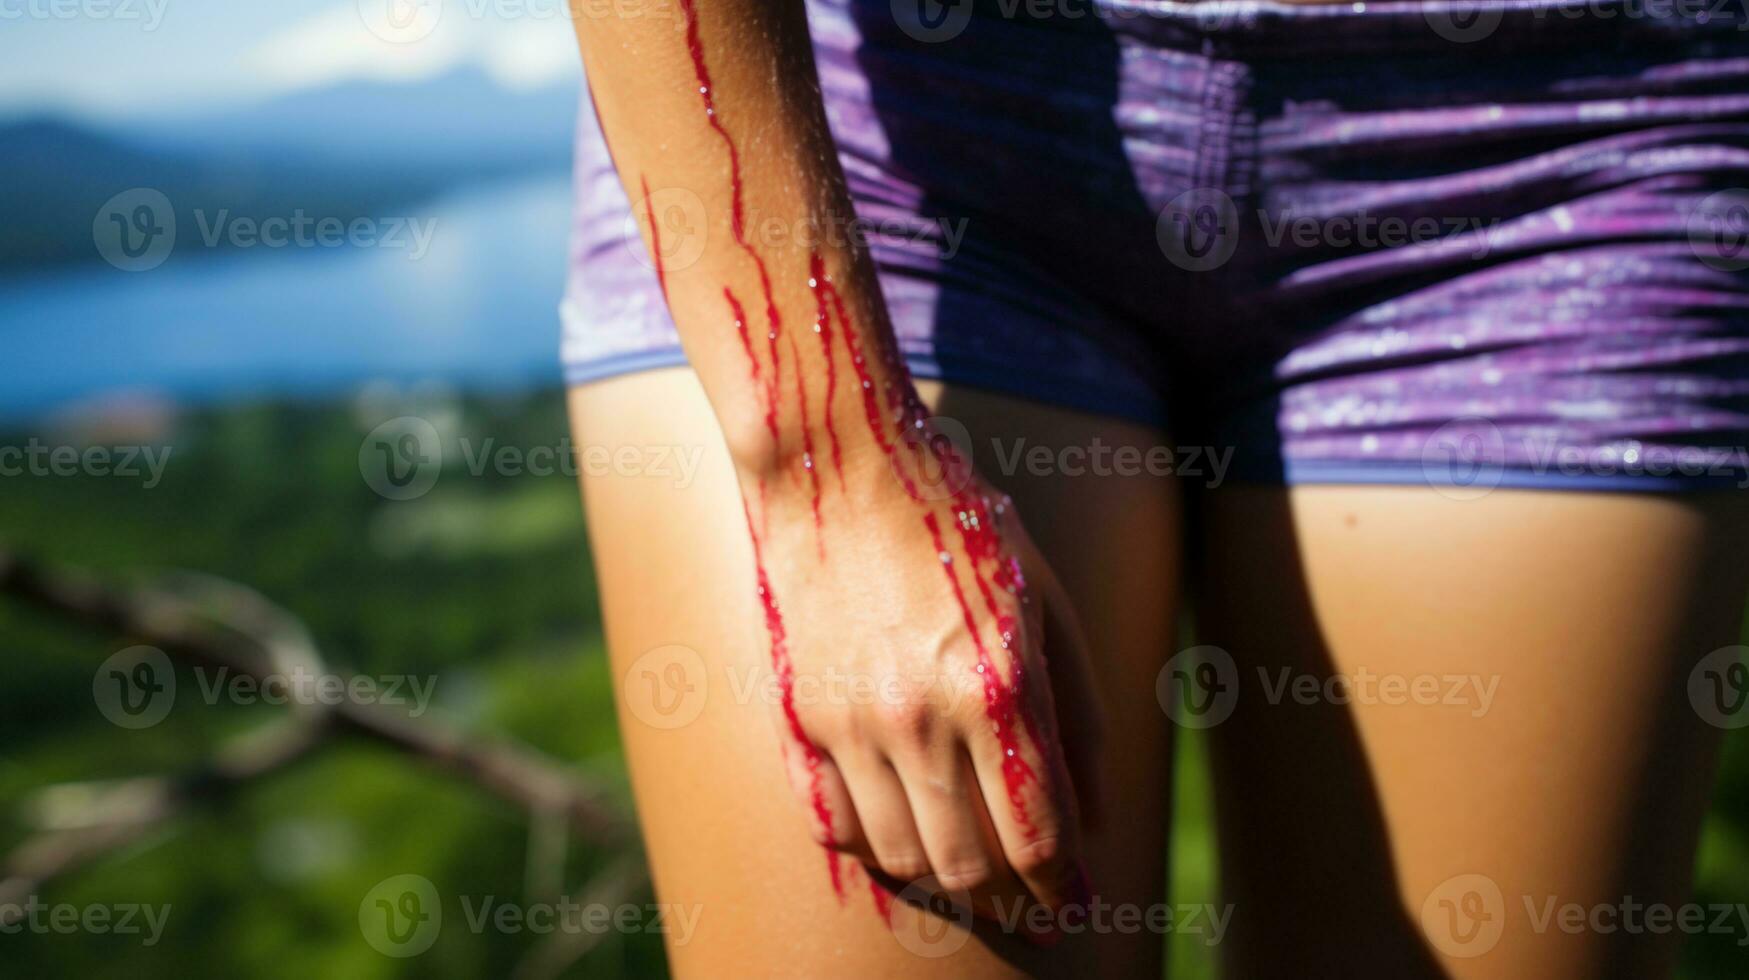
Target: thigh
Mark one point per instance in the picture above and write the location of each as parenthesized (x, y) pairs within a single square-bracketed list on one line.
[(723, 833), (1510, 736)]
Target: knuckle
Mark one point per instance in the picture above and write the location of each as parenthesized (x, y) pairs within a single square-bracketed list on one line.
[(904, 866), (825, 837), (911, 719), (830, 837), (1038, 854), (966, 876)]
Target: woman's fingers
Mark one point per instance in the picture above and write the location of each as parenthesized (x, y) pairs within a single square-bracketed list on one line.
[(946, 806), (1075, 708), (826, 804), (1029, 799), (1073, 700), (894, 846)]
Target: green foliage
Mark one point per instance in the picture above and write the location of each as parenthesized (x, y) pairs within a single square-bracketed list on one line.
[(481, 587)]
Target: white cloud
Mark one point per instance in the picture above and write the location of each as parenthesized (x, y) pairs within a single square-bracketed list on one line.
[(339, 45)]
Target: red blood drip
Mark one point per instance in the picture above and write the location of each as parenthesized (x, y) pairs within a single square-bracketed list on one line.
[(1001, 700), (823, 326), (786, 683), (980, 541), (871, 407), (700, 70), (655, 238), (737, 186), (905, 413), (808, 447), (760, 390)]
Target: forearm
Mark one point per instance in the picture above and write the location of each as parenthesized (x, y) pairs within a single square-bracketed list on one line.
[(712, 111)]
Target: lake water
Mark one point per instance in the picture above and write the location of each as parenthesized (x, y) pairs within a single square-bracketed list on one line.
[(478, 309)]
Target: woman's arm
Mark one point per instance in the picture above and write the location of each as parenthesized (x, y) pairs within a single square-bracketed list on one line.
[(714, 119), (880, 554)]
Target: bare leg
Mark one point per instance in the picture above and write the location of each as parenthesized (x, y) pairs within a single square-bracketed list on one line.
[(724, 835), (1580, 780)]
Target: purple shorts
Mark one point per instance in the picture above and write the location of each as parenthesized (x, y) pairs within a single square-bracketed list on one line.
[(1466, 242)]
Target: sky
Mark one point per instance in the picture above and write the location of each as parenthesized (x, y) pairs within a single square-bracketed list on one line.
[(115, 58)]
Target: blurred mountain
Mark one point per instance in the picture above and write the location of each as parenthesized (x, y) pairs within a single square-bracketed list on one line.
[(353, 150), (463, 119)]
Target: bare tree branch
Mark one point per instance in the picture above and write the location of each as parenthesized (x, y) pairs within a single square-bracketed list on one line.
[(216, 623), (116, 816), (171, 623)]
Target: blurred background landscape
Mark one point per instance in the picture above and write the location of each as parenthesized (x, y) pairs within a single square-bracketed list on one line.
[(262, 370)]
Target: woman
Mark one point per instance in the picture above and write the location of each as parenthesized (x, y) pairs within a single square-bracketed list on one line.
[(1407, 341)]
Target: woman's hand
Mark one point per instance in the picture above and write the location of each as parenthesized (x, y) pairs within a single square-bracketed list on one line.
[(909, 628)]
